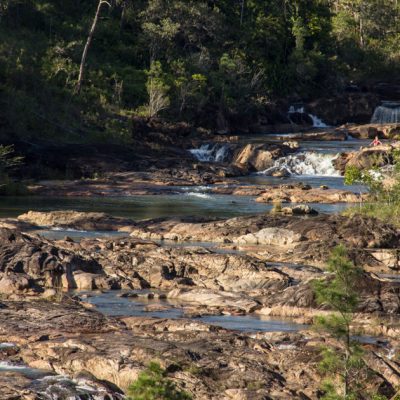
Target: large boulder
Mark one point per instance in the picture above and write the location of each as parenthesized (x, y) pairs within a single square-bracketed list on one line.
[(14, 283), (260, 156), (270, 236), (30, 263), (367, 158), (369, 131)]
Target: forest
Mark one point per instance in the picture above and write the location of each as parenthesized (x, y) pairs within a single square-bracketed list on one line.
[(207, 62)]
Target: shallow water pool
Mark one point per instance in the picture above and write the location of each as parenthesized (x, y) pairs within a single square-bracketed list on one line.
[(111, 304)]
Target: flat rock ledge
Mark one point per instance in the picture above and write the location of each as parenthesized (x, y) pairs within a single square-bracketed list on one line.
[(75, 220)]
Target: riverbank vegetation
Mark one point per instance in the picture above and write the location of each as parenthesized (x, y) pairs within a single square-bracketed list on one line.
[(346, 374), (384, 191), (9, 162), (153, 384), (212, 63)]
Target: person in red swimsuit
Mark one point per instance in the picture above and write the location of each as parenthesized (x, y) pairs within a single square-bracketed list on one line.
[(376, 142)]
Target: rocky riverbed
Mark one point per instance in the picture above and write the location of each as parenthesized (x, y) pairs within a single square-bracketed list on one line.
[(257, 266), (207, 361), (221, 296)]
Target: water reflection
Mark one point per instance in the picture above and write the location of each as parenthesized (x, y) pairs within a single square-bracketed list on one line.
[(110, 303), (147, 207)]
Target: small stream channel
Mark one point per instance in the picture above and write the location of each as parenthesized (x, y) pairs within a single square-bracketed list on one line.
[(111, 303), (114, 303)]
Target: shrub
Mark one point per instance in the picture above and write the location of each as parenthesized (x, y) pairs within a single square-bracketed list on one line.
[(8, 162), (384, 191), (153, 384), (347, 376)]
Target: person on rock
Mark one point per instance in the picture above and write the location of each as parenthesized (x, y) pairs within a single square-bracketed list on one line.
[(376, 142)]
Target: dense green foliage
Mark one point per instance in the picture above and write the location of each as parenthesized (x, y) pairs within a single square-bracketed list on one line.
[(152, 384), (344, 368), (384, 191), (208, 61), (8, 163), (8, 160)]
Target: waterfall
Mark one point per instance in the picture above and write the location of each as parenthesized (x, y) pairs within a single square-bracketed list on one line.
[(296, 109), (57, 387), (60, 387), (387, 113), (211, 152), (317, 122), (305, 163)]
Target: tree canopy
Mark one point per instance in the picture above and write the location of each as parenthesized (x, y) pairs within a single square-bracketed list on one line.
[(201, 60)]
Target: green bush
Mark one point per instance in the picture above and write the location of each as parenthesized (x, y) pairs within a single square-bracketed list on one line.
[(153, 384), (383, 199), (347, 376), (9, 162)]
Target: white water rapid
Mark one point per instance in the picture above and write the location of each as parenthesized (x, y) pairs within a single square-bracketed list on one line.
[(317, 122), (387, 113), (211, 152), (305, 163)]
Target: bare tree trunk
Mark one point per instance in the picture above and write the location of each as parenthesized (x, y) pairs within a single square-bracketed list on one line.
[(361, 32), (242, 13), (87, 45), (122, 20), (347, 360), (361, 24)]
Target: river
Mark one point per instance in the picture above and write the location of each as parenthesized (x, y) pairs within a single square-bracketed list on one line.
[(312, 164)]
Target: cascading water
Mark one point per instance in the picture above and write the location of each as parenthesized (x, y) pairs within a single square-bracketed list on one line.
[(211, 152), (57, 387), (317, 122), (61, 387), (304, 163), (296, 109), (387, 113)]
